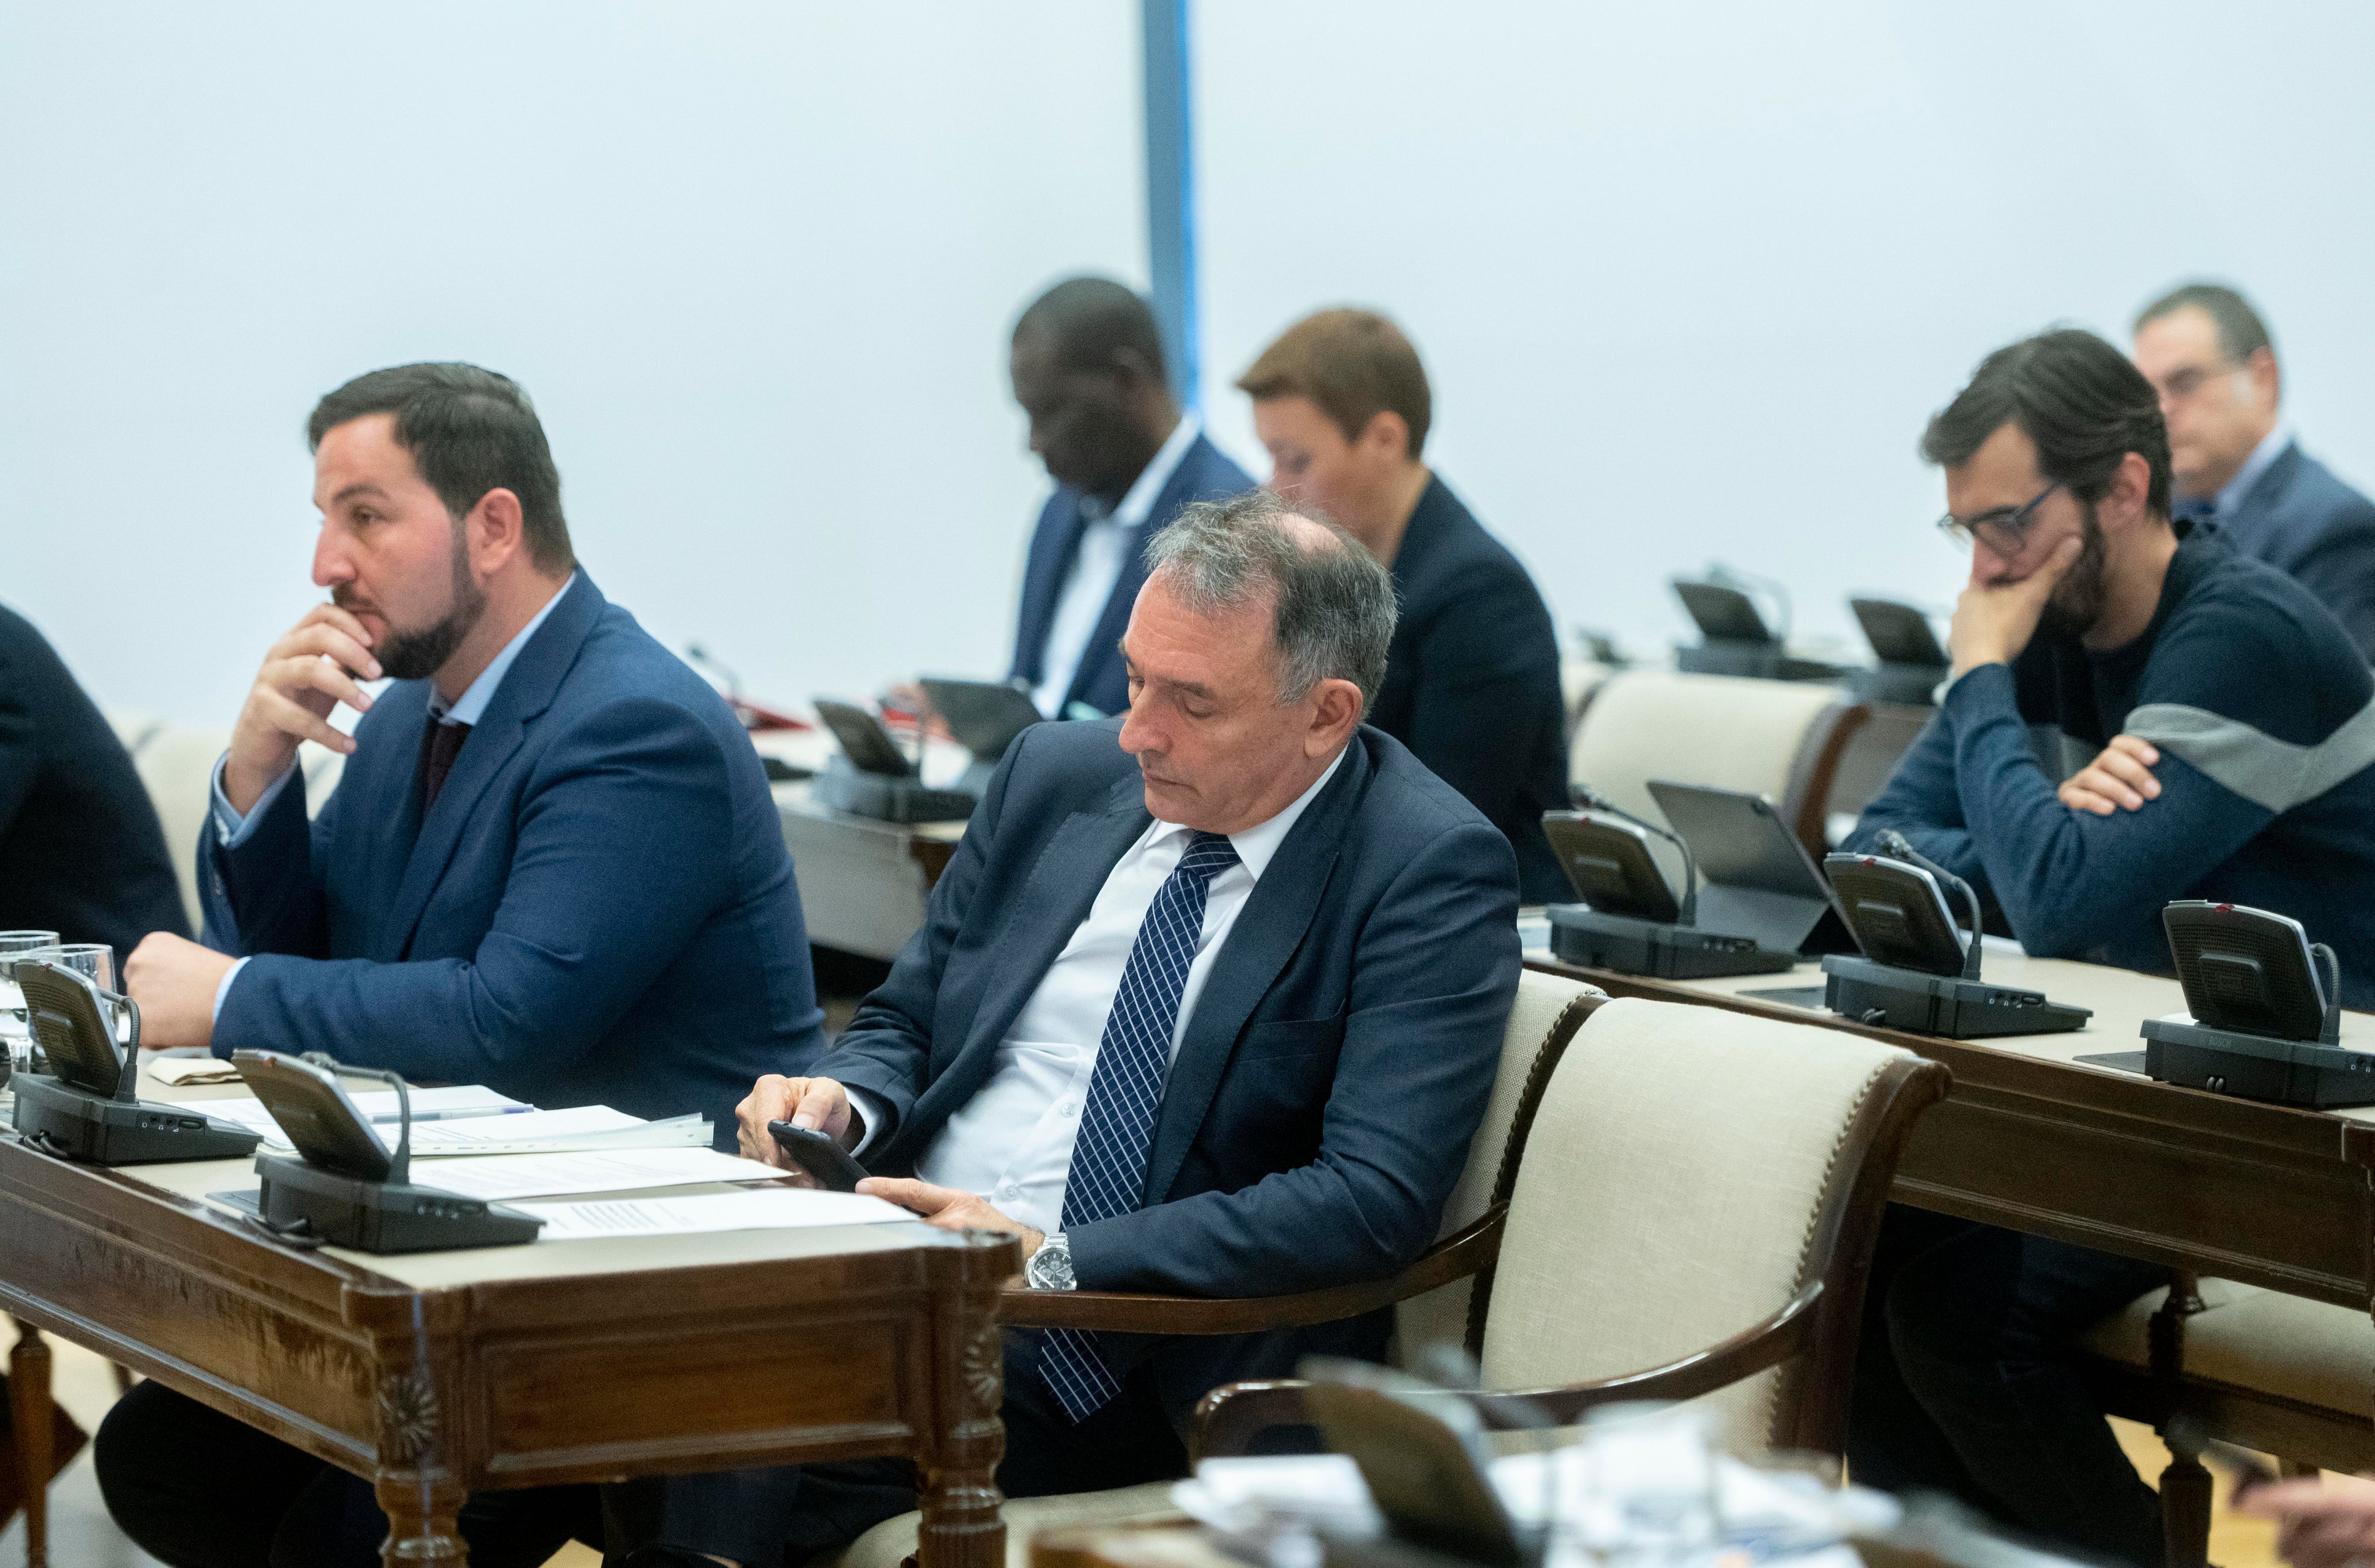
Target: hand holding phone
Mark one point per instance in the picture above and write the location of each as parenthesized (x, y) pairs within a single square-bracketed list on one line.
[(825, 1161)]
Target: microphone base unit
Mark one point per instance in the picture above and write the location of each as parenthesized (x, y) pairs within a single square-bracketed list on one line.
[(2305, 1073), (1765, 661), (306, 1203), (85, 1125), (884, 798), (1621, 943), (1944, 1004)]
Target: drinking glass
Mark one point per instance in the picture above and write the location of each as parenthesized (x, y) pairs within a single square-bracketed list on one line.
[(14, 1033), (93, 960)]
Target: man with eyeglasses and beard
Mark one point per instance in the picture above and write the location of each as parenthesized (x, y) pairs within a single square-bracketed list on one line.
[(2230, 721), (552, 865)]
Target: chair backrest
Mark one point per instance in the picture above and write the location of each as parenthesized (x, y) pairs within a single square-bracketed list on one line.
[(1778, 738), (178, 766), (1689, 1170), (1545, 1018)]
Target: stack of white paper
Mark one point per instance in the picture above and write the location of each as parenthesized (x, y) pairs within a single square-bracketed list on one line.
[(768, 1208), (551, 1132), (501, 1177), (429, 1106)]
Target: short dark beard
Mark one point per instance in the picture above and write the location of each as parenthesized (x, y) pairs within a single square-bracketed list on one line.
[(417, 654), (2079, 599)]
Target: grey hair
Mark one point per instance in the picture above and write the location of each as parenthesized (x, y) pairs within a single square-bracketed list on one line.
[(1335, 606)]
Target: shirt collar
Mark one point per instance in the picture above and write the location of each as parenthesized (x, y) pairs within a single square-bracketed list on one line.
[(1258, 844), (2272, 446), (472, 705), (1135, 506)]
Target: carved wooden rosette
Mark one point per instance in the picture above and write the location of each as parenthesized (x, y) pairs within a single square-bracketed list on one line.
[(959, 1461), (416, 1338)]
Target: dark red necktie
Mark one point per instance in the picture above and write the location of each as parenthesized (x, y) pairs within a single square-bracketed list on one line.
[(438, 750)]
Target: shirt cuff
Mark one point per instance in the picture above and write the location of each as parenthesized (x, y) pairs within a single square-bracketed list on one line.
[(223, 989), (872, 1113), (232, 830)]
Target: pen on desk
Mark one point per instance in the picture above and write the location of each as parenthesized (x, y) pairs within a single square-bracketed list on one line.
[(468, 1113)]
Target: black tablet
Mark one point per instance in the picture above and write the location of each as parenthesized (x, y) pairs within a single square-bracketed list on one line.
[(984, 715), (867, 745), (1899, 634), (1722, 614)]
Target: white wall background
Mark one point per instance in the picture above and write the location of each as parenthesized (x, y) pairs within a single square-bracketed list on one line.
[(1690, 277), (755, 262)]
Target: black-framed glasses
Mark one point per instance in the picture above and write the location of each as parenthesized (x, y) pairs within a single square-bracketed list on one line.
[(2000, 528)]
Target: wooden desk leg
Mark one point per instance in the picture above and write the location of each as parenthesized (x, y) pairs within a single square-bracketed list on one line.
[(30, 1410), (960, 1526), (420, 1522)]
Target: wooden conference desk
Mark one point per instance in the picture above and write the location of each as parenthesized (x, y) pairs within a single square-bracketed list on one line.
[(2032, 1139), (550, 1363)]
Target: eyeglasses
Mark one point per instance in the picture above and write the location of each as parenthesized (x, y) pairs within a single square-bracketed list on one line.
[(2000, 528)]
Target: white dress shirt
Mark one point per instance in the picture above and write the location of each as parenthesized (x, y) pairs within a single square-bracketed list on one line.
[(233, 829), (1096, 568), (1012, 1143)]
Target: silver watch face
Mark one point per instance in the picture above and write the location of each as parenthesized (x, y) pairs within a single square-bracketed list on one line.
[(1051, 1265)]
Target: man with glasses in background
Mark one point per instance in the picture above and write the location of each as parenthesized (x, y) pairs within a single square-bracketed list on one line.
[(2206, 351), (2091, 614)]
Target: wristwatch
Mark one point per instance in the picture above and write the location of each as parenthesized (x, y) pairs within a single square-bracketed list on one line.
[(1050, 1268)]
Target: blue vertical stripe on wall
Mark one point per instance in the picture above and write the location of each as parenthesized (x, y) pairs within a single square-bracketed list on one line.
[(1171, 191)]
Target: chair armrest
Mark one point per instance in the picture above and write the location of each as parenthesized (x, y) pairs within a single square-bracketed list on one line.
[(1454, 1258), (1229, 1418), (1790, 1332)]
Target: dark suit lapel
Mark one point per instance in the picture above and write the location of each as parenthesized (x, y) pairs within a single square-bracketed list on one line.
[(1268, 931), (1043, 582), (1105, 643), (527, 688), (1065, 880)]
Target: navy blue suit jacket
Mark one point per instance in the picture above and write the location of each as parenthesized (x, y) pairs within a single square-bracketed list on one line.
[(1471, 680), (2302, 520), (598, 909), (1203, 474), (81, 852), (1334, 1069)]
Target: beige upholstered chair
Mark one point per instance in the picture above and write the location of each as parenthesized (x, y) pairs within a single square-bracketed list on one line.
[(1432, 1295), (178, 768), (1778, 739), (2274, 1372), (1693, 1220)]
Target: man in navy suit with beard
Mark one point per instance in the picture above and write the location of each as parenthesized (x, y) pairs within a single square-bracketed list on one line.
[(1088, 371)]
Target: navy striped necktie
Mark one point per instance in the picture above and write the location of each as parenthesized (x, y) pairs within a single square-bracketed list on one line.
[(1117, 1122)]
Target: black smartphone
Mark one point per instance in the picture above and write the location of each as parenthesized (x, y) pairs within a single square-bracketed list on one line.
[(819, 1156)]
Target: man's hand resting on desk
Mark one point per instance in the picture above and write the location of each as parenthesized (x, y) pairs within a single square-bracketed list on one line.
[(309, 672), (1993, 621), (174, 980), (948, 1210), (2120, 776)]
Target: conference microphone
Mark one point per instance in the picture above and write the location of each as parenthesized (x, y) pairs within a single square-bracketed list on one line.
[(1591, 799), (1901, 848)]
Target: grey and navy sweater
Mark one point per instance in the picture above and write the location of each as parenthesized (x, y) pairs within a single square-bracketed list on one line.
[(2263, 711)]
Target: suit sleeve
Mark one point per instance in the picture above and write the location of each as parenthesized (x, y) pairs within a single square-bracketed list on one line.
[(264, 895), (1434, 976), (887, 1049), (21, 734), (2339, 568), (1487, 679), (622, 851)]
